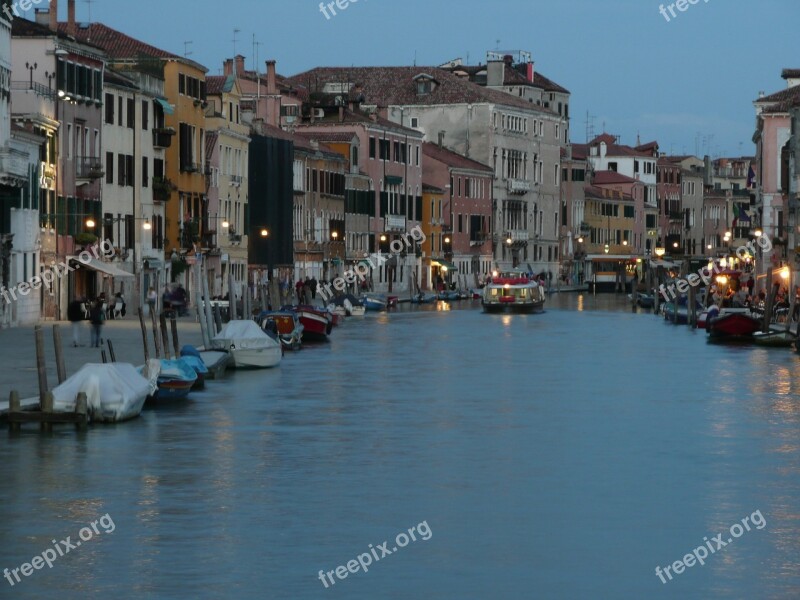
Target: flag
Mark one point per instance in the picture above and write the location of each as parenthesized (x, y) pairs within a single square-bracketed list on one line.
[(743, 216), (751, 177)]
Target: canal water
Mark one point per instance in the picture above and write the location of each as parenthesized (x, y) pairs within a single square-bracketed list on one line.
[(561, 455)]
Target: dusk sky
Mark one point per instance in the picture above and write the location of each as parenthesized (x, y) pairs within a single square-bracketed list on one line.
[(688, 83)]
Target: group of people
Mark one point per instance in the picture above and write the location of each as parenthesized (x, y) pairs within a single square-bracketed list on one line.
[(97, 310)]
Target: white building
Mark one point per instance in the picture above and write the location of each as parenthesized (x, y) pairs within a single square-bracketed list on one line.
[(133, 212)]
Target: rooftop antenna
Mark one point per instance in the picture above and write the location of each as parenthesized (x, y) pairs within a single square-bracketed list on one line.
[(89, 5), (497, 45), (186, 51), (235, 31), (589, 127), (415, 58), (256, 46)]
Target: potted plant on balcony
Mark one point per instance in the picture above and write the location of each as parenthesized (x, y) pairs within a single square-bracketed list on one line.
[(85, 239)]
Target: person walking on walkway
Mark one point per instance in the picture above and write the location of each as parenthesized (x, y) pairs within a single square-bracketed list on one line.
[(97, 317), (75, 316)]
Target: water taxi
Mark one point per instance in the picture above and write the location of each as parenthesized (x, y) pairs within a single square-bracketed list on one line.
[(513, 291)]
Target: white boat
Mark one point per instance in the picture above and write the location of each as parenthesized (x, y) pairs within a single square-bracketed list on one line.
[(248, 345), (513, 291), (354, 310), (114, 391)]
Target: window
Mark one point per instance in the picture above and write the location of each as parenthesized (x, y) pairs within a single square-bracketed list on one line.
[(119, 111), (181, 83), (629, 212), (414, 122), (555, 174), (145, 176), (612, 166), (397, 152), (131, 113), (372, 147), (109, 167), (417, 150), (145, 115), (384, 149), (110, 109), (121, 177)]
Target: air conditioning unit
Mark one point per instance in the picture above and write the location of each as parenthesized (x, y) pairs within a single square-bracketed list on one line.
[(319, 113)]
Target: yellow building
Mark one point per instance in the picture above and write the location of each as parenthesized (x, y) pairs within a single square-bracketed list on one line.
[(227, 144), (435, 247)]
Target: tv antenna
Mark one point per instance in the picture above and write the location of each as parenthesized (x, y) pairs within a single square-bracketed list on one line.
[(186, 51), (89, 6)]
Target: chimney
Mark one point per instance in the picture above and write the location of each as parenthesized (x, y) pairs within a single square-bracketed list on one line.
[(495, 73), (54, 15), (227, 67), (42, 16), (272, 87), (71, 28), (441, 138), (239, 64)]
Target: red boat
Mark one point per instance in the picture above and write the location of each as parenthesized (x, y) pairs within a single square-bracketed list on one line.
[(317, 325), (732, 326)]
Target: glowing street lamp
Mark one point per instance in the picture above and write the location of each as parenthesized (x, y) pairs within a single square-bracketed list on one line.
[(264, 232), (146, 225), (660, 252), (785, 273), (90, 223)]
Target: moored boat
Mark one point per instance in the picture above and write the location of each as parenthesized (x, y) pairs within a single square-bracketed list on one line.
[(115, 392), (176, 378), (286, 327), (513, 291), (732, 326), (374, 302), (317, 325), (249, 346), (774, 339)]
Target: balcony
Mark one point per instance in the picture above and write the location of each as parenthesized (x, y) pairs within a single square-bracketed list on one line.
[(676, 215), (13, 169), (190, 167), (586, 228), (517, 236), (519, 186), (88, 168), (236, 180), (395, 223), (162, 137), (162, 189)]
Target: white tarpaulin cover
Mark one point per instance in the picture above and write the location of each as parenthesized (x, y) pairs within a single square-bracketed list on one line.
[(244, 335), (114, 391)]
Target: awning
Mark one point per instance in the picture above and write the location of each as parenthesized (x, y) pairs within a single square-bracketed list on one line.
[(443, 263), (168, 108), (105, 268), (394, 180)]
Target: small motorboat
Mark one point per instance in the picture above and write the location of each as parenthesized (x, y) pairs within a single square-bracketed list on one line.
[(317, 325), (642, 300), (191, 357), (449, 295), (732, 326), (423, 298), (374, 302), (338, 310), (249, 346), (115, 392), (354, 309), (284, 326), (176, 378), (774, 339)]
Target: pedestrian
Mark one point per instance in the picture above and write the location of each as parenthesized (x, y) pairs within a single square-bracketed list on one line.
[(97, 317), (75, 316), (313, 287), (181, 300), (152, 298)]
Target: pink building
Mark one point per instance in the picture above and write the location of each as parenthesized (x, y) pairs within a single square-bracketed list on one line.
[(773, 155), (467, 208)]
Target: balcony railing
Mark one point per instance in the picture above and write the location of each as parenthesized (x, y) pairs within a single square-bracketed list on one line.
[(36, 88), (190, 167), (88, 167), (162, 189), (162, 137), (517, 236), (519, 186), (395, 222)]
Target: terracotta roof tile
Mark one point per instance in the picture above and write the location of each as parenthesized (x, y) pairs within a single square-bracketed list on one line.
[(396, 86), (611, 177)]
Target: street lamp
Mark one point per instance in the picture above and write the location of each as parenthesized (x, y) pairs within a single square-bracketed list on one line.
[(606, 248), (264, 232), (146, 225), (660, 252), (90, 223), (225, 224), (509, 241)]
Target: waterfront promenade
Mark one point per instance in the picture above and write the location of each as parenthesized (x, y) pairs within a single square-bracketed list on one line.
[(18, 351)]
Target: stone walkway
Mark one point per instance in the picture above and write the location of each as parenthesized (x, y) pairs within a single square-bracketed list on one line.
[(18, 351)]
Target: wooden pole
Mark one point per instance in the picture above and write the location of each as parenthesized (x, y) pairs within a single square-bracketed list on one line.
[(144, 335), (156, 343), (41, 367), (218, 318), (62, 371), (770, 302), (103, 356), (175, 344), (82, 411), (164, 335), (207, 315), (47, 408), (198, 293), (14, 406), (231, 295), (692, 306), (111, 351)]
